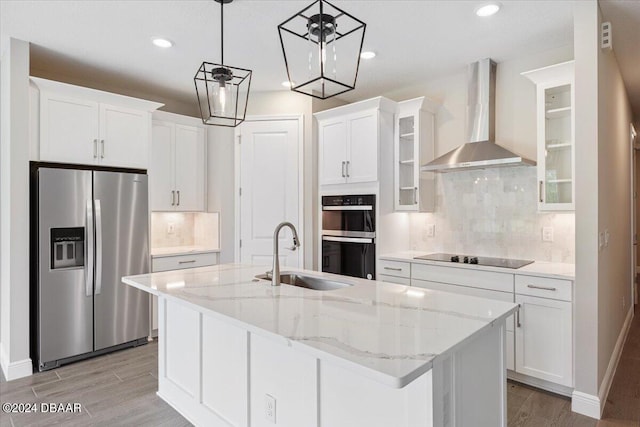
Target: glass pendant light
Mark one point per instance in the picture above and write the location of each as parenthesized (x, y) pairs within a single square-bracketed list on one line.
[(222, 90), (321, 45)]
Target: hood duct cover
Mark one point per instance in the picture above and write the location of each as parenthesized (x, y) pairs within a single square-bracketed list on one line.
[(481, 151)]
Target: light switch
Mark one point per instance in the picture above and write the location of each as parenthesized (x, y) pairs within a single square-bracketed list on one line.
[(431, 230), (607, 236), (171, 228), (600, 240)]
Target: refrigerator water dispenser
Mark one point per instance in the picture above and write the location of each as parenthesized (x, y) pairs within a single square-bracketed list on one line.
[(67, 247)]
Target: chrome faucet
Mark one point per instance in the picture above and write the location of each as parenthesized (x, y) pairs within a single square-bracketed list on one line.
[(275, 272)]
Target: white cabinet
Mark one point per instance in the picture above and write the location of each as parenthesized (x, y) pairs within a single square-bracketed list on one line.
[(349, 139), (414, 146), (555, 136), (177, 167), (544, 337), (86, 126)]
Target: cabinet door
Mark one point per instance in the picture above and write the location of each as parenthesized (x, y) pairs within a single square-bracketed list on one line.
[(406, 165), (544, 339), (190, 164), (124, 137), (363, 147), (333, 151), (161, 167), (68, 129)]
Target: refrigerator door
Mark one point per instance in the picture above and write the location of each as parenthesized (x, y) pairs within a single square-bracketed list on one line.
[(122, 249), (65, 267)]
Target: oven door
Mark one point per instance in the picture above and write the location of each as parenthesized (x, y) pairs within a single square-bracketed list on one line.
[(349, 256)]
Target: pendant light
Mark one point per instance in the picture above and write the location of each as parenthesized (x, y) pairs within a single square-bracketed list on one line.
[(222, 90), (321, 45)]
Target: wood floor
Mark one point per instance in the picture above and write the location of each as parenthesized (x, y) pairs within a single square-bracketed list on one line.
[(119, 390)]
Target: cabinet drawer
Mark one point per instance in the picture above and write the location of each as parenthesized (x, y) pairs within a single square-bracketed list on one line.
[(544, 287), (393, 279), (491, 280), (178, 262), (395, 268)]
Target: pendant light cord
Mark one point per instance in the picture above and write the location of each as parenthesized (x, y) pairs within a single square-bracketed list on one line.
[(222, 32)]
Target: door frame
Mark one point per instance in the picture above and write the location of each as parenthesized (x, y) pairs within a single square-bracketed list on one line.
[(634, 148), (299, 118)]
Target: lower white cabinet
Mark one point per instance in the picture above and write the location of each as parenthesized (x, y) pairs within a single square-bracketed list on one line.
[(394, 279), (176, 262), (544, 339)]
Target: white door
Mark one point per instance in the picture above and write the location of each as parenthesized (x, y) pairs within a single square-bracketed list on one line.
[(333, 151), (363, 147), (69, 129), (124, 137), (544, 341), (161, 167), (269, 187), (189, 155)]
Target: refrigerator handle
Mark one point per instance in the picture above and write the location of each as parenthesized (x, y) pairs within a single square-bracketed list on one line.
[(98, 214), (89, 249)]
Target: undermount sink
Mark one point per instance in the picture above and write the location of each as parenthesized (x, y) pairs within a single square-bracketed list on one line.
[(304, 281)]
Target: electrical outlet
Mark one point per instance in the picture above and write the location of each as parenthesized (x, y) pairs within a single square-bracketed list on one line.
[(431, 230), (547, 234), (607, 236), (171, 228), (270, 408), (601, 240)]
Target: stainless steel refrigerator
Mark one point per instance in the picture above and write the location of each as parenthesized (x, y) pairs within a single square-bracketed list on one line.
[(89, 228)]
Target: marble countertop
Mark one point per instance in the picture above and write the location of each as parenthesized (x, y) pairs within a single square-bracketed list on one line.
[(387, 332), (181, 250), (537, 268)]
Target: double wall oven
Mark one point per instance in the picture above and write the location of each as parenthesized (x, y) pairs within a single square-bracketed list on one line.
[(349, 235)]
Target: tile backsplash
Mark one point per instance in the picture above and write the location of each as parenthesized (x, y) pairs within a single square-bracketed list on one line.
[(493, 212), (177, 229)]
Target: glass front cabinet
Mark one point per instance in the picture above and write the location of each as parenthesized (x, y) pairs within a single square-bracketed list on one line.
[(555, 136), (414, 146)]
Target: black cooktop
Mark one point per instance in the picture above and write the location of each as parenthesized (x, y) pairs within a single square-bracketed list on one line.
[(479, 260)]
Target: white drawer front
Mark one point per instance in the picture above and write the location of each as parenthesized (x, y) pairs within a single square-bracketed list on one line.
[(392, 279), (394, 268), (544, 287), (178, 262), (502, 282)]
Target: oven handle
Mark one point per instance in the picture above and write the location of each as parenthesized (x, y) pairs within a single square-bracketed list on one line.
[(347, 239), (348, 208)]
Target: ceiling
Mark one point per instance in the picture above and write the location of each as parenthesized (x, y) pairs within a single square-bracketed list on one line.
[(415, 40)]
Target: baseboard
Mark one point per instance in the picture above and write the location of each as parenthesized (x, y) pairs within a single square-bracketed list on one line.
[(590, 405), (586, 404), (538, 383), (607, 381), (14, 370)]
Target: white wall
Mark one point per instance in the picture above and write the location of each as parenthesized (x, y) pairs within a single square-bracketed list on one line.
[(14, 205)]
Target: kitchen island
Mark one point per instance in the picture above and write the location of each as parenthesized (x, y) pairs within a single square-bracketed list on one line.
[(234, 350)]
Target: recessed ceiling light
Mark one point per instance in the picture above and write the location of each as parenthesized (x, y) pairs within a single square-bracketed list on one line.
[(288, 84), (368, 54), (160, 42), (488, 9)]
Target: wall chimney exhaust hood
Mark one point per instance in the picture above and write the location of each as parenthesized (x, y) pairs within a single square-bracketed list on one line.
[(481, 151)]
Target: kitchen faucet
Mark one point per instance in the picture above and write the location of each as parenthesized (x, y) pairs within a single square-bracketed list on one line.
[(275, 272)]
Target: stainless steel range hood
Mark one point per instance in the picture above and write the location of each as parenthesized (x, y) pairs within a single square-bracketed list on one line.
[(481, 151)]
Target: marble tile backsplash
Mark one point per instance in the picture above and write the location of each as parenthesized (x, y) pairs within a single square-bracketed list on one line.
[(493, 212), (175, 229)]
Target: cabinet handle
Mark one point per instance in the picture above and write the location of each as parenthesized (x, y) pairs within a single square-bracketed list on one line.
[(95, 148), (544, 288), (518, 316), (173, 198), (187, 262), (415, 195), (178, 197), (392, 268), (343, 175), (540, 192), (348, 162), (102, 142)]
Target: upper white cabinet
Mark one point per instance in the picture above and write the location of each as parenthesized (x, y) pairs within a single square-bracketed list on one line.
[(555, 135), (349, 139), (86, 126), (414, 146), (177, 167)]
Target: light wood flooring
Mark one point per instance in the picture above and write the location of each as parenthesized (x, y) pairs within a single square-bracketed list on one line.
[(118, 389)]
